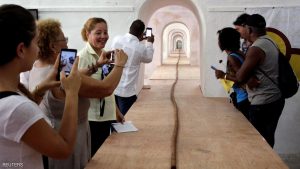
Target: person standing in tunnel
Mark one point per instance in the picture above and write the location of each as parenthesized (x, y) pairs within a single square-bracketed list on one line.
[(138, 53)]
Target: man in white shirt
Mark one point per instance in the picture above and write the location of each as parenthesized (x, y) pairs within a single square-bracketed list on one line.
[(138, 53)]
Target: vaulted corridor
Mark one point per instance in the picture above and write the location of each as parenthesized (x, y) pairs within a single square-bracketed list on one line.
[(212, 133)]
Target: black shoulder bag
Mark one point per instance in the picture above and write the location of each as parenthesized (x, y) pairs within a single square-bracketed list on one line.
[(287, 80)]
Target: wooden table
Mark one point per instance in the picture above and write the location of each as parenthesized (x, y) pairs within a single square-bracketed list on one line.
[(212, 135)]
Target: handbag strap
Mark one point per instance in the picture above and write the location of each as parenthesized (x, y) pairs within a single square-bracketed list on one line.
[(263, 72)]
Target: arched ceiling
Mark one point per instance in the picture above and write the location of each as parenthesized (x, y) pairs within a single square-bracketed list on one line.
[(150, 7)]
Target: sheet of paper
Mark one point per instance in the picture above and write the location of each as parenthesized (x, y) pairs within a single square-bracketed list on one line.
[(127, 126), (227, 84)]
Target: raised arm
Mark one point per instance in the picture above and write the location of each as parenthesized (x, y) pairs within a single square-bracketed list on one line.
[(235, 64), (94, 88), (148, 51), (48, 83), (41, 137)]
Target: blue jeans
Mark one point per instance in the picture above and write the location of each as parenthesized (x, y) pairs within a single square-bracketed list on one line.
[(124, 103), (265, 118)]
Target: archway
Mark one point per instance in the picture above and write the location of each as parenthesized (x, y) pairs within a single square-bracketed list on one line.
[(171, 34), (160, 14)]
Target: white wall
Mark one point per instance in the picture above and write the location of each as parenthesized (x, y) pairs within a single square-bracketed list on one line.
[(213, 14), (73, 13), (288, 132), (210, 15)]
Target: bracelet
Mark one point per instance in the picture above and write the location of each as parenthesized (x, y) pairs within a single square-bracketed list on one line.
[(225, 77)]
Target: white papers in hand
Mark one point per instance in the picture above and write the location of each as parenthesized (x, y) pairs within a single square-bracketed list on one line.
[(127, 126)]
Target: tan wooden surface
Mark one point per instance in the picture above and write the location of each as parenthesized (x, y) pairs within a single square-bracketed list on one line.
[(212, 135)]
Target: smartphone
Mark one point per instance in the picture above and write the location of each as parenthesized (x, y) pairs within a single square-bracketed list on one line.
[(214, 68), (148, 32), (113, 57), (66, 61)]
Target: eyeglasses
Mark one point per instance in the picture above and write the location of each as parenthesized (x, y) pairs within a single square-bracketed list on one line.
[(66, 39)]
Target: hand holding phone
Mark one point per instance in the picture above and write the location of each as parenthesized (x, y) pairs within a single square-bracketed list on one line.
[(112, 56), (148, 32), (66, 61)]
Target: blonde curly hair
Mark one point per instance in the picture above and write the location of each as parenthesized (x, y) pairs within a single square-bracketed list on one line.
[(48, 31)]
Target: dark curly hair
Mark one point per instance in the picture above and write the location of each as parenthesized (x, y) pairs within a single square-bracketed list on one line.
[(229, 39)]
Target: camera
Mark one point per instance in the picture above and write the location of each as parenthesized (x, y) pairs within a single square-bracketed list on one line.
[(66, 61)]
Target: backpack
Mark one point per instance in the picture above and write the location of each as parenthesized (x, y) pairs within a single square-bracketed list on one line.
[(287, 80)]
